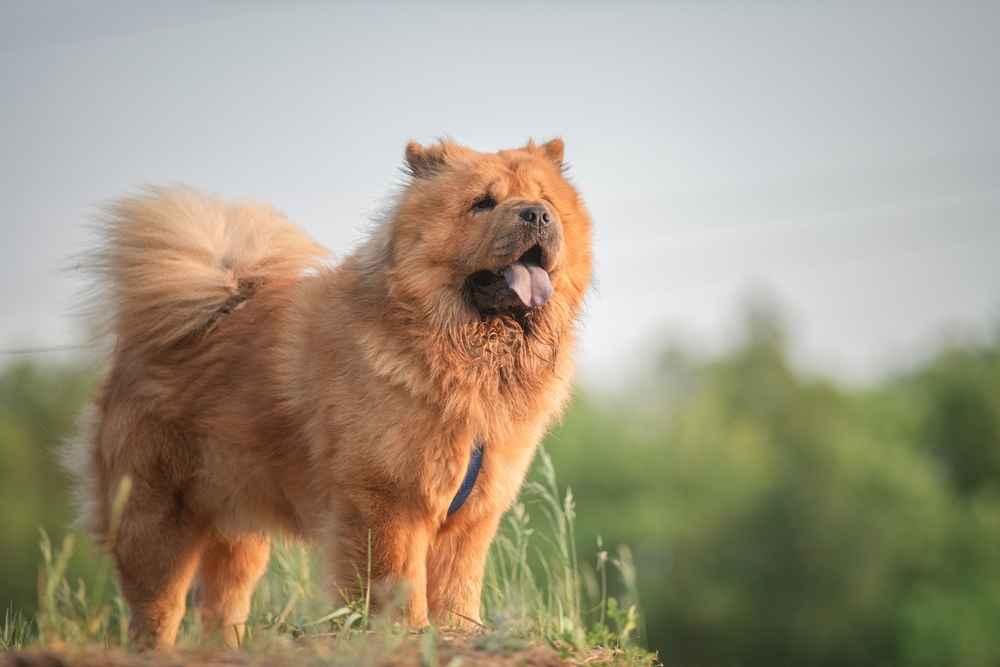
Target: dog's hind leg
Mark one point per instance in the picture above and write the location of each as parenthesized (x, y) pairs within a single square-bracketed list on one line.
[(157, 549), (230, 569)]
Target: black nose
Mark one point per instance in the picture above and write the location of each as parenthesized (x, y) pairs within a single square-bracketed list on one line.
[(535, 215)]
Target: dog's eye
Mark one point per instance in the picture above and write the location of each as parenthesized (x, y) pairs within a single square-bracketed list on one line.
[(485, 203)]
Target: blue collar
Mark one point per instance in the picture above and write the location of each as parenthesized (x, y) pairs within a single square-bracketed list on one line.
[(475, 464)]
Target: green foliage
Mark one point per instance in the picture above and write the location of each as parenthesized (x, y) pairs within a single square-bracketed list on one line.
[(15, 631), (533, 587), (780, 518), (960, 421), (38, 409), (70, 613)]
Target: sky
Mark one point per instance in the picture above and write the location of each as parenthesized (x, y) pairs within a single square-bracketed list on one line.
[(840, 158)]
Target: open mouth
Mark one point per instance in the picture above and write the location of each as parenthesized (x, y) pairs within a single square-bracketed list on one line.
[(521, 286)]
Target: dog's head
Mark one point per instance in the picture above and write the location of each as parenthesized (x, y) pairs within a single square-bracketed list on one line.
[(480, 236)]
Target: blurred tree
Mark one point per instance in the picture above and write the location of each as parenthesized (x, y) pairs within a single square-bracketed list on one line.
[(780, 519), (962, 420), (38, 408)]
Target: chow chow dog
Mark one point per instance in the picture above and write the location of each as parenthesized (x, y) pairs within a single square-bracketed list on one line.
[(386, 406)]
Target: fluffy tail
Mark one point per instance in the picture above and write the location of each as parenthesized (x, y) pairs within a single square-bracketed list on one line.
[(172, 262)]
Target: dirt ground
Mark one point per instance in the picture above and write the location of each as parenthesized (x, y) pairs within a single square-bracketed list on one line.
[(532, 657), (469, 653)]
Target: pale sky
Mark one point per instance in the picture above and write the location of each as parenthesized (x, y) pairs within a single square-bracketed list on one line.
[(845, 157)]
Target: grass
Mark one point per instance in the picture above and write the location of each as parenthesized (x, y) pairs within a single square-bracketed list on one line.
[(536, 594)]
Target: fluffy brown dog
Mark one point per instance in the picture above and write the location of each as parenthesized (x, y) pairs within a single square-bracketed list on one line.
[(253, 388)]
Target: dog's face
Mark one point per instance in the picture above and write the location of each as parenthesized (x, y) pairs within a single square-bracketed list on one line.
[(491, 235)]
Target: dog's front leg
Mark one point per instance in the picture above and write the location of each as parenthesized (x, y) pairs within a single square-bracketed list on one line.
[(387, 553), (455, 566)]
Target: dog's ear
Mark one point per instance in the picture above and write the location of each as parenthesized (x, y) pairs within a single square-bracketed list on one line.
[(422, 162), (553, 150)]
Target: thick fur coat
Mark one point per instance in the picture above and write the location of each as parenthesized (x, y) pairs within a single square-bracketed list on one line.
[(254, 388)]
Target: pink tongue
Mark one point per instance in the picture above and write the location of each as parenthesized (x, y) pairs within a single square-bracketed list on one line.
[(530, 282)]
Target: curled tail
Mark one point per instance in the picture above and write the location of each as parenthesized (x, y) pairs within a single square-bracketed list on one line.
[(172, 262)]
